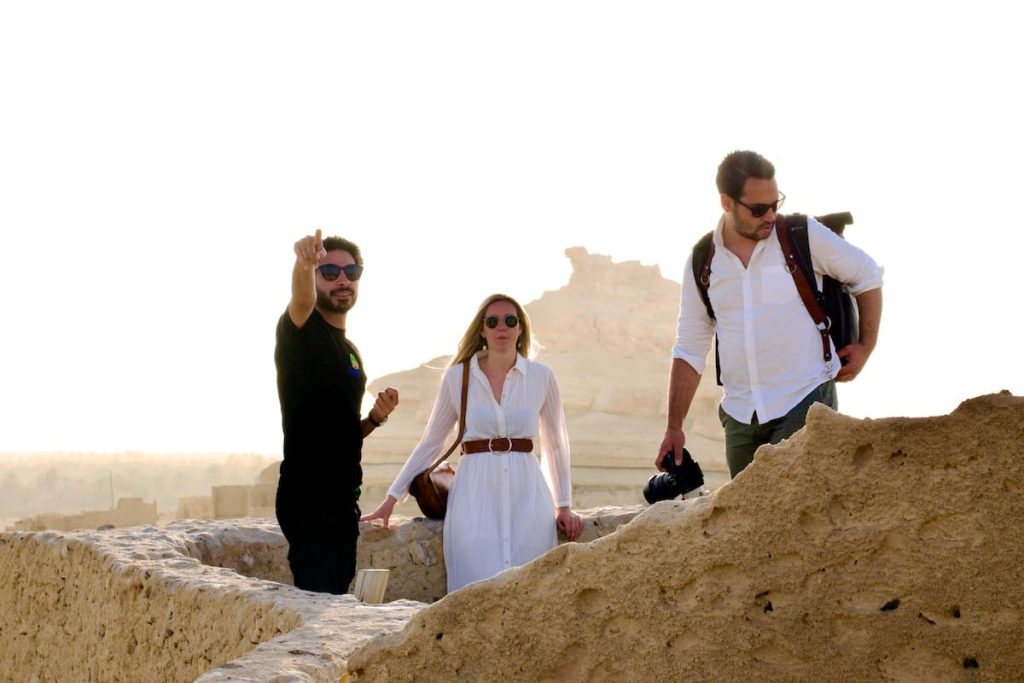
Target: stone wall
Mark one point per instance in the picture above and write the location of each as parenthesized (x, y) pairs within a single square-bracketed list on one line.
[(412, 550), (203, 599), (114, 606)]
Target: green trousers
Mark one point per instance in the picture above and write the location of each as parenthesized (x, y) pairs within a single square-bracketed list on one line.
[(741, 440)]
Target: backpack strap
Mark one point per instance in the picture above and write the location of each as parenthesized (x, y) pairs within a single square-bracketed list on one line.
[(703, 252), (806, 286), (796, 226), (700, 262)]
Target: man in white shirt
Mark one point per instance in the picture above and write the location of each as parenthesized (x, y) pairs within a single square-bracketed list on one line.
[(770, 351)]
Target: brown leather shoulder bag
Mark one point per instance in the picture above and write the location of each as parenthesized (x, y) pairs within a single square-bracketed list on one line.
[(430, 487)]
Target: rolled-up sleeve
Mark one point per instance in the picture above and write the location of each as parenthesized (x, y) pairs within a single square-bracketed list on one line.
[(694, 328), (837, 258)]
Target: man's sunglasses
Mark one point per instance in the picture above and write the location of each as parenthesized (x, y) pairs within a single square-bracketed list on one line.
[(492, 321), (331, 271), (758, 210)]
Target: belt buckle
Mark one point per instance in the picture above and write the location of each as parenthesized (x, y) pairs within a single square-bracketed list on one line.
[(490, 444)]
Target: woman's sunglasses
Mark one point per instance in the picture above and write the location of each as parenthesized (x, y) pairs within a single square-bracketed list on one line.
[(492, 321), (758, 210), (331, 271)]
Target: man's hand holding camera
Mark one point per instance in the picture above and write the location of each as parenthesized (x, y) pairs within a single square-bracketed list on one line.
[(673, 442), (676, 479)]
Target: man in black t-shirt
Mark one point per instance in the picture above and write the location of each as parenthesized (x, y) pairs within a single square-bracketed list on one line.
[(320, 383)]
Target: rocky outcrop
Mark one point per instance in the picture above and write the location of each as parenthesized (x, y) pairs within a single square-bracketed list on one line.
[(608, 334), (857, 550)]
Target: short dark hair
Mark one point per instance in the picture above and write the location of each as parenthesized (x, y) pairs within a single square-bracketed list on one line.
[(736, 167), (340, 243)]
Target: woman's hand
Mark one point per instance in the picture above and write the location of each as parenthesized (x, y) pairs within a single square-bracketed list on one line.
[(383, 511), (569, 523)]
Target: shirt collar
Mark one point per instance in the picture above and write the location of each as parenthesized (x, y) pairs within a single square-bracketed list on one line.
[(520, 366), (521, 363)]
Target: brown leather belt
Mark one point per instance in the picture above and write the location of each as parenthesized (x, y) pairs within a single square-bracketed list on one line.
[(497, 444)]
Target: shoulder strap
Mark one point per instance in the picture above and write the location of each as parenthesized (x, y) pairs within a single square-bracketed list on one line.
[(703, 252), (807, 287), (700, 263), (462, 417), (796, 225)]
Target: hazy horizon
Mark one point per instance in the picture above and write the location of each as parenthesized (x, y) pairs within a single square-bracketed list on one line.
[(159, 163)]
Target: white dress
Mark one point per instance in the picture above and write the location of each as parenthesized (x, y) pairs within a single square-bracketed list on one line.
[(501, 508)]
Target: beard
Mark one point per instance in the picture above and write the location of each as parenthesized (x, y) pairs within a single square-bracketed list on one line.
[(757, 229), (325, 302)]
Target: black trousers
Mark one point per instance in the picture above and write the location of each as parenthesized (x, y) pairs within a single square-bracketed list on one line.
[(322, 535)]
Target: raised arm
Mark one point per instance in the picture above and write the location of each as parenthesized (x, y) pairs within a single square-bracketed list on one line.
[(308, 252)]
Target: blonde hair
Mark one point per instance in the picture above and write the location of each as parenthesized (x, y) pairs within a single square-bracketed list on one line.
[(473, 341)]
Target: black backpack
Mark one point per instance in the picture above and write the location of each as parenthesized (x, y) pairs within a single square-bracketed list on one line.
[(833, 308)]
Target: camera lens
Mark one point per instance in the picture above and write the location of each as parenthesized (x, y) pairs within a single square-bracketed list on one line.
[(676, 481), (661, 487)]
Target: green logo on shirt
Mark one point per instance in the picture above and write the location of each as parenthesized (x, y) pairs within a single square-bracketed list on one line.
[(354, 360)]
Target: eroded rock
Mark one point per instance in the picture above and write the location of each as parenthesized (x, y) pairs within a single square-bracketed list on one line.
[(857, 550)]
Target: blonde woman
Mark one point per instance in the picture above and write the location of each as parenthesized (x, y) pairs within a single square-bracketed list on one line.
[(505, 506)]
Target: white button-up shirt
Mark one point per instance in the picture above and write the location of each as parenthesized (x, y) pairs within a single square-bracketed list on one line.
[(769, 348), (530, 408)]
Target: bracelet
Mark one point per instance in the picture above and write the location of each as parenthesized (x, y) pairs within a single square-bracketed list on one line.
[(369, 416)]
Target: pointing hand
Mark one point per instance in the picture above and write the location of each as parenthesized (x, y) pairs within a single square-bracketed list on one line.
[(310, 249)]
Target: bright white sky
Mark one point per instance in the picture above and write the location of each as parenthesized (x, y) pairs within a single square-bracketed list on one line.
[(158, 161)]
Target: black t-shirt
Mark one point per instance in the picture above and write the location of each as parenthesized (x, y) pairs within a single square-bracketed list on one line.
[(320, 383)]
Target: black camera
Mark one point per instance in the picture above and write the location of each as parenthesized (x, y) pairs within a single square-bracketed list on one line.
[(677, 480)]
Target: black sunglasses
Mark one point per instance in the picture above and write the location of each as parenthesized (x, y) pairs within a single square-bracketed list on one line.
[(758, 210), (492, 321), (331, 271)]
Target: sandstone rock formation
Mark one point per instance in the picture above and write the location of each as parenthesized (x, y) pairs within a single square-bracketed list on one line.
[(608, 335), (858, 550)]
